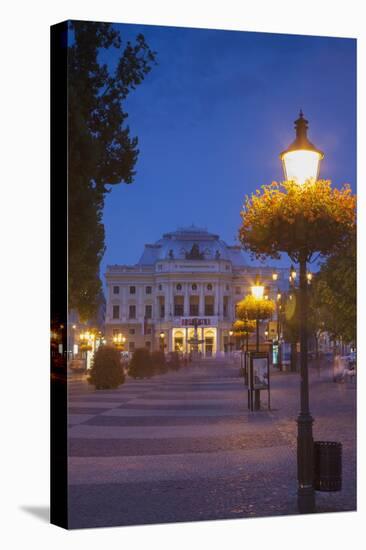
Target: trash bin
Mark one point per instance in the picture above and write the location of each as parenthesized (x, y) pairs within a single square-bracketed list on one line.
[(327, 466)]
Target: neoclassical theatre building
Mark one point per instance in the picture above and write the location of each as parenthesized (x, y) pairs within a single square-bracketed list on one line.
[(188, 276)]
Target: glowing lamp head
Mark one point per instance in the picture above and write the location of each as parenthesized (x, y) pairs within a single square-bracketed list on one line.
[(162, 335), (257, 289), (274, 276), (309, 277), (301, 160), (292, 273), (231, 332)]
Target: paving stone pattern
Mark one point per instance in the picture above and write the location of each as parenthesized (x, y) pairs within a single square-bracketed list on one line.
[(183, 447)]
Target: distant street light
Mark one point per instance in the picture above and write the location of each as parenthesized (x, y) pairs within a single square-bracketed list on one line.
[(292, 273), (162, 342)]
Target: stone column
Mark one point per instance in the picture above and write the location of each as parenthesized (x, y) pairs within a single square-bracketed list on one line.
[(186, 300), (201, 309), (217, 305), (168, 301)]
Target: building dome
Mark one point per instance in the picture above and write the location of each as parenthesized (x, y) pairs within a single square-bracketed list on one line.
[(191, 243)]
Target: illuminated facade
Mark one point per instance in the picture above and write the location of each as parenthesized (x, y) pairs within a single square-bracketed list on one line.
[(189, 276)]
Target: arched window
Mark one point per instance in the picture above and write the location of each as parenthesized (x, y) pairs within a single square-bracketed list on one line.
[(209, 286), (179, 286), (194, 286)]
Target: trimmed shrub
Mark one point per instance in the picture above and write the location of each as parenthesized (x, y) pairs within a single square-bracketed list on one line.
[(159, 364), (174, 360), (106, 372), (141, 365)]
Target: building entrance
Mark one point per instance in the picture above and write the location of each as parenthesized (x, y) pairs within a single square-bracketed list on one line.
[(207, 336)]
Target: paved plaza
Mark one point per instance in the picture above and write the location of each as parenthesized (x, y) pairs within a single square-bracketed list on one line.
[(183, 447)]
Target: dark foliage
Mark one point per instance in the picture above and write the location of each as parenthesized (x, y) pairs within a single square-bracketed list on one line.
[(107, 371), (334, 293), (141, 365), (159, 364), (174, 360), (101, 151)]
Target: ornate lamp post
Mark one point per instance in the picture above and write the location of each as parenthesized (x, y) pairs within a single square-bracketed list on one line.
[(231, 332), (301, 163), (257, 292), (278, 316)]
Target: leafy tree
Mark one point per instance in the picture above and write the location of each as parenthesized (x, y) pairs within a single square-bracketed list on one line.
[(334, 293), (242, 328), (255, 309), (251, 308), (174, 360), (141, 365), (300, 220), (102, 152), (158, 361), (107, 371)]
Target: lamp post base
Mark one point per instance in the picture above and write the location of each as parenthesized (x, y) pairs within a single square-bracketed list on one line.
[(305, 464), (306, 499)]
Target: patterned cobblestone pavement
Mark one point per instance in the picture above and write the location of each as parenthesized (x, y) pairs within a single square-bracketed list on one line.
[(183, 447)]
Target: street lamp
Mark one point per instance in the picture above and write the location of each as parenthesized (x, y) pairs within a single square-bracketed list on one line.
[(257, 292), (257, 289), (231, 332), (301, 160), (274, 276), (301, 163), (292, 273), (119, 341), (162, 343)]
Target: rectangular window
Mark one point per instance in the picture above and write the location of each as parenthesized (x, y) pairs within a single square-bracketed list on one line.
[(194, 305), (148, 345), (131, 346), (115, 312), (148, 331), (131, 331), (148, 312), (162, 312), (148, 290), (132, 290), (132, 312), (116, 290), (209, 305), (178, 306), (237, 290), (193, 309)]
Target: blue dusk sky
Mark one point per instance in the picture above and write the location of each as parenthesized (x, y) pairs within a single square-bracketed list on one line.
[(212, 118)]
